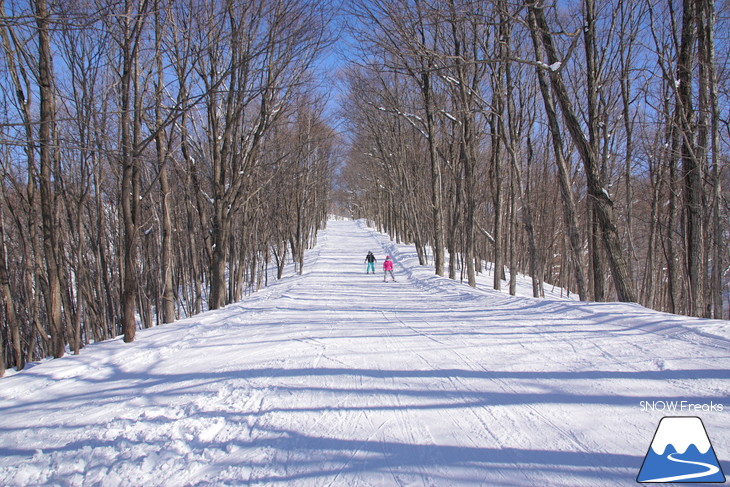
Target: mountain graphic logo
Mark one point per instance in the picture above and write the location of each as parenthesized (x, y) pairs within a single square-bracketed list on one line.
[(681, 452)]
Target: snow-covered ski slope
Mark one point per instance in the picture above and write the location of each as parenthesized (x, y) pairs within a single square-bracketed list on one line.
[(337, 378)]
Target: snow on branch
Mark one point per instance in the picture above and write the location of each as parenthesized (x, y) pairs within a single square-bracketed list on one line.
[(407, 116), (553, 67), (486, 233)]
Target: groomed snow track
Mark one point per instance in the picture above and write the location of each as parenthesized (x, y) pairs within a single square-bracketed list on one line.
[(337, 378)]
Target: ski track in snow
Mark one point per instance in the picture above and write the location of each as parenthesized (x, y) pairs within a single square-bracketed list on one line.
[(337, 378), (711, 470)]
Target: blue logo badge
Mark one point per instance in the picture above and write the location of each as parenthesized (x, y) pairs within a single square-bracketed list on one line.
[(681, 452)]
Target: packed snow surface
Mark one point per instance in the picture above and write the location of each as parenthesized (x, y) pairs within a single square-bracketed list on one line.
[(337, 378)]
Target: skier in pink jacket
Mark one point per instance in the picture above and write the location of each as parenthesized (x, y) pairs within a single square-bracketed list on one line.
[(388, 268)]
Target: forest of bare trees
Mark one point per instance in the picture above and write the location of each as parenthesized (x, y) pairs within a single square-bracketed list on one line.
[(157, 158), (582, 143), (164, 157)]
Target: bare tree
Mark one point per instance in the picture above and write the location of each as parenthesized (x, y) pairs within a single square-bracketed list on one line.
[(626, 124), (80, 196), (15, 53), (403, 31), (600, 198), (163, 157), (8, 304), (711, 79)]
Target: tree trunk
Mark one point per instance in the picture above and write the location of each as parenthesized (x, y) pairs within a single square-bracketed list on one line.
[(601, 200), (626, 58), (10, 316), (436, 198), (710, 72), (497, 197), (570, 218), (217, 297), (512, 226), (691, 167), (130, 126), (168, 293), (675, 300), (655, 178), (589, 33), (596, 253), (48, 213), (529, 227)]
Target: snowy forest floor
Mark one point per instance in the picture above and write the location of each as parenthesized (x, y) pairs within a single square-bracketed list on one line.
[(337, 378)]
